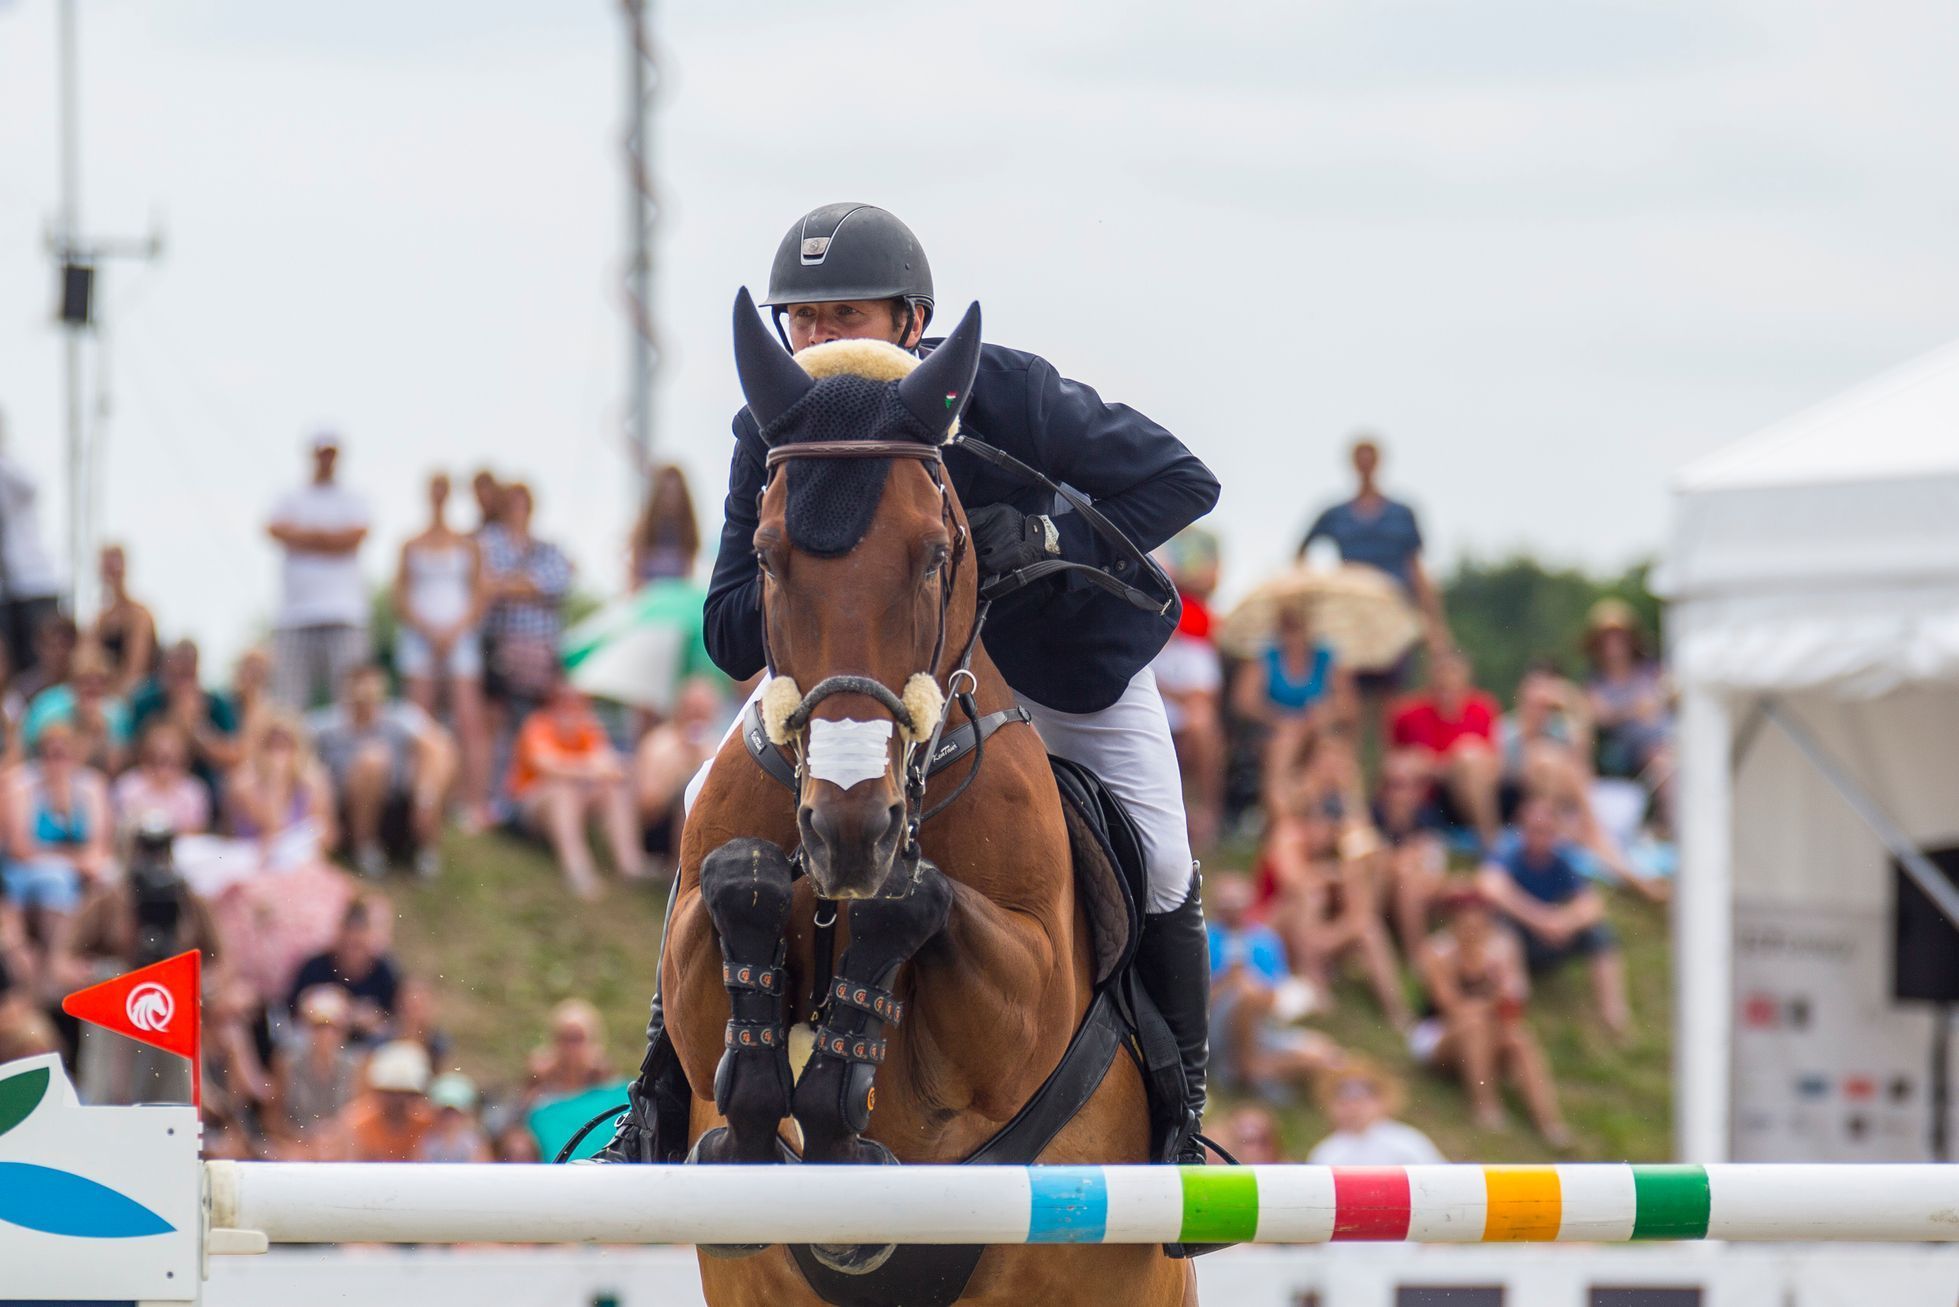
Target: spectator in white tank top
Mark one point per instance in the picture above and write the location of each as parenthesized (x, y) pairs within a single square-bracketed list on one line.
[(440, 596)]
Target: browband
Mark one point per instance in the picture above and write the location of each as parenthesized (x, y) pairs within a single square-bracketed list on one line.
[(855, 449)]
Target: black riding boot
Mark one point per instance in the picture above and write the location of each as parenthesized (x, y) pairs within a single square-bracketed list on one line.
[(1174, 960), (654, 1128), (656, 1103)]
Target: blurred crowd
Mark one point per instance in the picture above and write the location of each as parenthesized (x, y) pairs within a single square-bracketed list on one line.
[(145, 811), (1392, 822)]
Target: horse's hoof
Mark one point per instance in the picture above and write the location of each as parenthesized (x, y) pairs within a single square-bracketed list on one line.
[(853, 1259), (859, 1258), (706, 1151)]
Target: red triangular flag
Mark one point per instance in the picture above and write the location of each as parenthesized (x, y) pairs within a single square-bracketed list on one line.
[(156, 1004)]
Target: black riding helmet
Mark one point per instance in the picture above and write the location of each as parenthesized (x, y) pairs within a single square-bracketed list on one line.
[(848, 252)]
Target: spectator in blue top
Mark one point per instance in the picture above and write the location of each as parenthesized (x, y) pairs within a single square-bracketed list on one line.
[(1292, 688), (1558, 913), (1254, 996), (1374, 531)]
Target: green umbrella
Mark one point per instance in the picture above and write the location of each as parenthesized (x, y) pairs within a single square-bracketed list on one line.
[(641, 648)]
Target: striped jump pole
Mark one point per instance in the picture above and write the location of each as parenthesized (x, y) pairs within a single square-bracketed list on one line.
[(385, 1203)]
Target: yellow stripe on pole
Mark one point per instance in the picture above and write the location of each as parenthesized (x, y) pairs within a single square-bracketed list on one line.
[(1523, 1204)]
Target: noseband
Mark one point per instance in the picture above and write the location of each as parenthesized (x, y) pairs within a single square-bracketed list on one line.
[(924, 695)]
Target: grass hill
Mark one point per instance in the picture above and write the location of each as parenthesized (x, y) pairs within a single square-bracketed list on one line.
[(502, 941)]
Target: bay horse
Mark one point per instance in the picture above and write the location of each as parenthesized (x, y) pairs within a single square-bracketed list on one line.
[(964, 940)]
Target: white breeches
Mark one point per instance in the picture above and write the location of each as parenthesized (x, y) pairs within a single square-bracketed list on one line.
[(1128, 745)]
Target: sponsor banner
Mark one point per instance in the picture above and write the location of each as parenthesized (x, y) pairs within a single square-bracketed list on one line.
[(1828, 1067)]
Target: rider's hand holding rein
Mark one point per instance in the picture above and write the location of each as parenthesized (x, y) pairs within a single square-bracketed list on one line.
[(1006, 539)]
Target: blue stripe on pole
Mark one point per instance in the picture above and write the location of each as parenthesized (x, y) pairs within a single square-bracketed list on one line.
[(1070, 1204)]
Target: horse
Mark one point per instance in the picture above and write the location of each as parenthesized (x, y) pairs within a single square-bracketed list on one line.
[(965, 940)]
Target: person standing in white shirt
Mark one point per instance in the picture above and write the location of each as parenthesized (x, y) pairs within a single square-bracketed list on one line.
[(1361, 1101), (30, 583), (320, 633)]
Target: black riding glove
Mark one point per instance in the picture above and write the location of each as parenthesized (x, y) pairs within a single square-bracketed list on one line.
[(1006, 539)]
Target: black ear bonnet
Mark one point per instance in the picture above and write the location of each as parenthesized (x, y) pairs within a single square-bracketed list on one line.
[(832, 501)]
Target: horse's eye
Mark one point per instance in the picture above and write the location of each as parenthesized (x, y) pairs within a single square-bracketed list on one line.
[(935, 563), (762, 563)]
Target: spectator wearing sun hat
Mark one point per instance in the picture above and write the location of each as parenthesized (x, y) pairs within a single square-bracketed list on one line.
[(321, 628), (390, 1119), (314, 1075), (456, 1135), (1632, 704)]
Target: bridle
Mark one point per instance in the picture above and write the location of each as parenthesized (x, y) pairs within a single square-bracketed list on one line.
[(921, 737)]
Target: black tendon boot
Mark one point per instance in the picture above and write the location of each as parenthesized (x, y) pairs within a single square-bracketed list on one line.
[(1174, 960)]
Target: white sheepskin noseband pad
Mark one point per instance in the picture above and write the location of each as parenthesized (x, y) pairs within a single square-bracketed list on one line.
[(779, 698), (925, 702), (849, 752)]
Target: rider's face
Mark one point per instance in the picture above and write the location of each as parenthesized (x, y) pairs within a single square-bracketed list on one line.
[(817, 324)]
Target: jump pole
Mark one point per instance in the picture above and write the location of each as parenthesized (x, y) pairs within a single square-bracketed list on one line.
[(251, 1204)]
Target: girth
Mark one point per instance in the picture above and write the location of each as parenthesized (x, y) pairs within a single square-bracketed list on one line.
[(935, 1275), (953, 745)]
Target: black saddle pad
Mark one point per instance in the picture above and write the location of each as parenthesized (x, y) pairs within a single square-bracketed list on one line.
[(1109, 868)]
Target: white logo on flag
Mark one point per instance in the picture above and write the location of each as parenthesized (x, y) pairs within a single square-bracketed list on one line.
[(150, 1007)]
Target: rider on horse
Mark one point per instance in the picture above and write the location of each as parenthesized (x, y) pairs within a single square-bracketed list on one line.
[(1076, 656)]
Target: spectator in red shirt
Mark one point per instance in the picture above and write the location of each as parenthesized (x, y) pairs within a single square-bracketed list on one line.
[(1454, 724)]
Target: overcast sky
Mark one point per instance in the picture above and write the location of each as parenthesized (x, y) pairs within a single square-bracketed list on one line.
[(1550, 250)]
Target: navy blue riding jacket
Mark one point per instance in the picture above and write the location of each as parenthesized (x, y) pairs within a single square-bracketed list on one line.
[(1061, 642)]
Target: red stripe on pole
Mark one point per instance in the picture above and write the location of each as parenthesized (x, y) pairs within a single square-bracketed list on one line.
[(1370, 1202)]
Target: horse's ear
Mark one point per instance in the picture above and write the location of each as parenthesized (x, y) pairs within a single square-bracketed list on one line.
[(770, 380), (936, 390)]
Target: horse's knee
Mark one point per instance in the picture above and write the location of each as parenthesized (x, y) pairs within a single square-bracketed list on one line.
[(884, 932), (747, 886)]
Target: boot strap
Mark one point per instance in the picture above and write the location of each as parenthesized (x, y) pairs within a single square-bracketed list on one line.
[(754, 979), (753, 1034), (880, 1004), (851, 1048)]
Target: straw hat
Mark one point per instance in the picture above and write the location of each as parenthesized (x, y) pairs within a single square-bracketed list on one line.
[(400, 1067), (325, 1005), (1613, 614), (454, 1089), (1358, 610)]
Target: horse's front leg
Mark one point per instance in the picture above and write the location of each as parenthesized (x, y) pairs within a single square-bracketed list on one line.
[(833, 1095), (746, 886)]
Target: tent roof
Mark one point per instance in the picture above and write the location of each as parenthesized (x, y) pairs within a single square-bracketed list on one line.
[(1824, 550), (1904, 423)]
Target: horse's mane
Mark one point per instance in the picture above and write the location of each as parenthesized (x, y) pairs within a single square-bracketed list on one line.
[(832, 501)]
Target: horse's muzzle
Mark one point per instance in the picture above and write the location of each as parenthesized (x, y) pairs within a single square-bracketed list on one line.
[(850, 845)]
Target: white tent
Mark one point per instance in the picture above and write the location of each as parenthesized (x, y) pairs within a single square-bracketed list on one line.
[(1814, 635)]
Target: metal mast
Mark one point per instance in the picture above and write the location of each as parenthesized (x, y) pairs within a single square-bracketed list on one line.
[(642, 219), (77, 260)]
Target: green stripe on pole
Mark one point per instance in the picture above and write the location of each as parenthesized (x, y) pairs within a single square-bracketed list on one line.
[(1220, 1204), (1672, 1202)]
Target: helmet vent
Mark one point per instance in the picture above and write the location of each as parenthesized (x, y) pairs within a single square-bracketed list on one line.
[(814, 248)]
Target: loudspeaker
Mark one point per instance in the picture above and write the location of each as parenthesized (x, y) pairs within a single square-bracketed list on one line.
[(77, 293), (1925, 961)]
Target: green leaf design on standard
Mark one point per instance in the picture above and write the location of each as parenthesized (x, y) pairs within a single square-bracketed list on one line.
[(20, 1095)]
